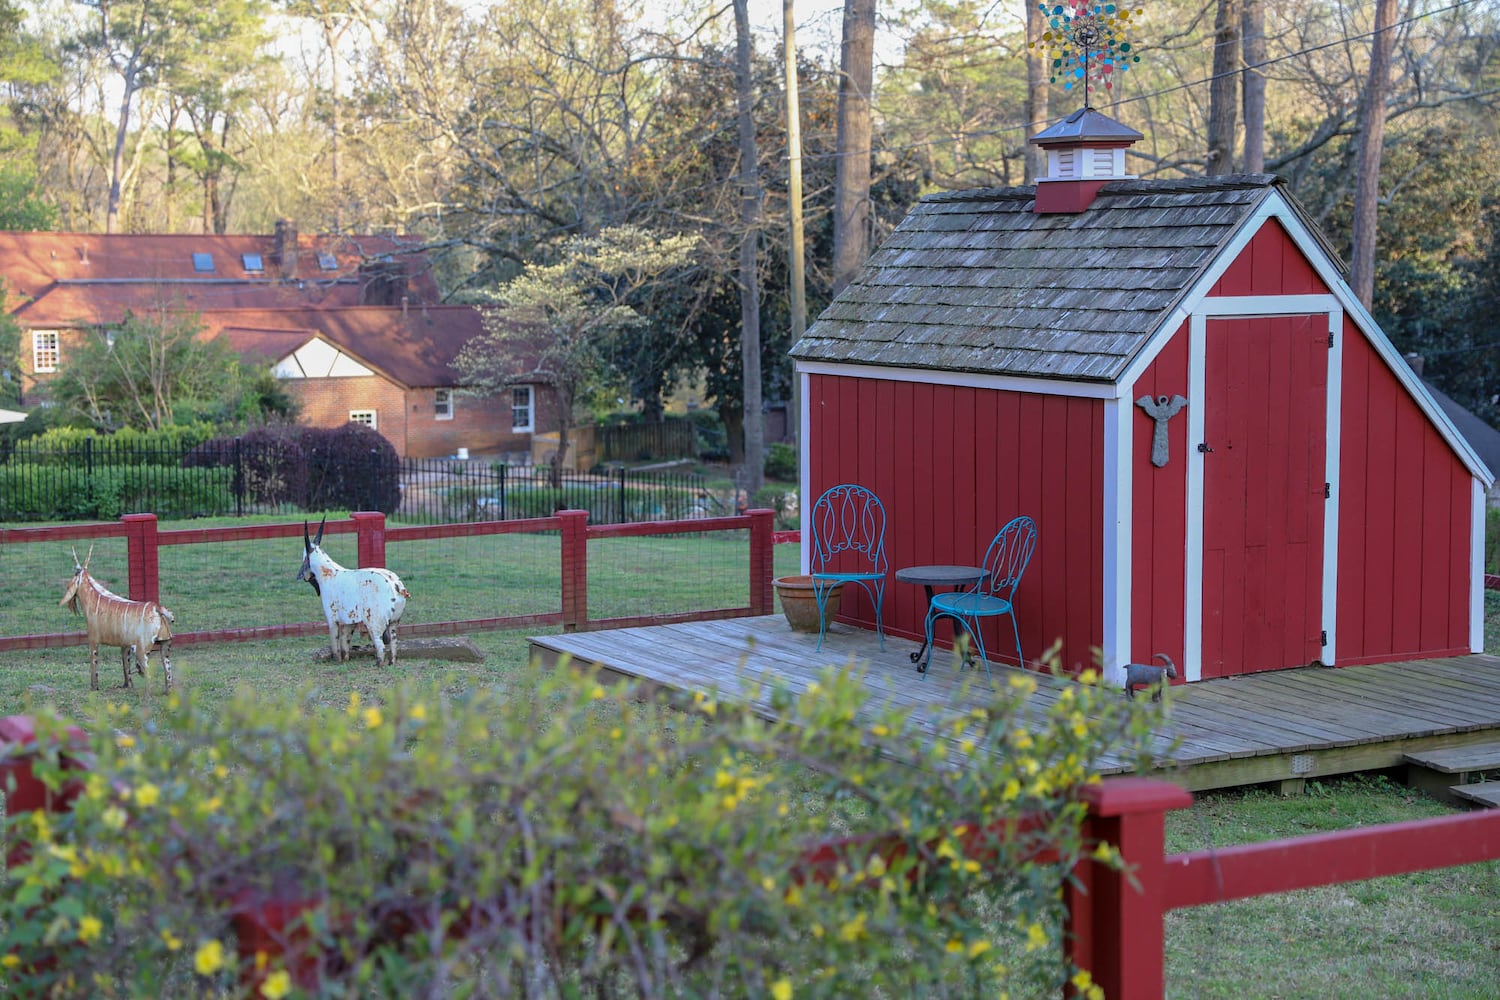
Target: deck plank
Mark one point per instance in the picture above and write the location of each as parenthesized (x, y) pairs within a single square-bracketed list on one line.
[(1230, 728)]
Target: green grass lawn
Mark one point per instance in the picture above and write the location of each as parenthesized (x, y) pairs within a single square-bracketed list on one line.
[(1434, 934)]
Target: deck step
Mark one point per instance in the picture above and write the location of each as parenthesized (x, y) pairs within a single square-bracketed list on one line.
[(1435, 771), (1485, 793), (1459, 760)]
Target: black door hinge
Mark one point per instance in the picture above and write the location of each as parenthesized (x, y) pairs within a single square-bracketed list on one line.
[(1323, 637), (1330, 340), (1327, 491)]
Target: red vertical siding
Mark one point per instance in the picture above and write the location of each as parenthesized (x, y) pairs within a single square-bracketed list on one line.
[(952, 465), (1270, 264), (1404, 522), (1158, 511)]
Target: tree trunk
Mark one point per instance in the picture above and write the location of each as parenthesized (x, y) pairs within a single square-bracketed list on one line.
[(798, 256), (750, 197), (1223, 89), (851, 187), (1367, 166), (1036, 91), (117, 158), (1254, 47)]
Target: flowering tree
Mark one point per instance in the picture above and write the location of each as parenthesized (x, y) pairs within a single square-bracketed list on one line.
[(574, 306)]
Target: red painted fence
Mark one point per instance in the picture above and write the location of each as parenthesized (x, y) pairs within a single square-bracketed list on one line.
[(144, 542), (1115, 918)]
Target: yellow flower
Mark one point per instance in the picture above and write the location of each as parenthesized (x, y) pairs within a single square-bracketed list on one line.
[(1036, 937), (418, 711), (172, 941), (277, 985), (955, 945), (597, 693), (616, 733), (853, 930), (9, 961), (978, 947), (1089, 676), (209, 958), (147, 794), (879, 730), (781, 989), (89, 928), (124, 741), (373, 717), (114, 817)]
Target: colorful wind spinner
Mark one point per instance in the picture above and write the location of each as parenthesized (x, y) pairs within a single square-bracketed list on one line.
[(1086, 41)]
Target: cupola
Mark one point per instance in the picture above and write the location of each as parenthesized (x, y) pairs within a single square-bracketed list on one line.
[(1085, 151)]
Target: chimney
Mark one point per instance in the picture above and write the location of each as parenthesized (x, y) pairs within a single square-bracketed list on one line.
[(1085, 151), (285, 250), (1416, 362)]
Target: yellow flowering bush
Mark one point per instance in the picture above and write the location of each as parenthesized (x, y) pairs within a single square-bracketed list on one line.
[(569, 842)]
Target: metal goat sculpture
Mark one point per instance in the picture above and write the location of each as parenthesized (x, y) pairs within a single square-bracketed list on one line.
[(135, 626), (372, 598)]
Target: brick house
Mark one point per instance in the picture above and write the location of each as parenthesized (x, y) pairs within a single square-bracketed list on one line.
[(351, 322)]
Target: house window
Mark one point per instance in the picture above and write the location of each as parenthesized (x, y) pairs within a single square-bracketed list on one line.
[(327, 261), (253, 263), (442, 404), (520, 408), (203, 263), (366, 417), (43, 351)]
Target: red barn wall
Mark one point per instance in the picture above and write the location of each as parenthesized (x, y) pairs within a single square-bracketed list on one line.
[(1158, 511), (1271, 264), (951, 465), (1405, 503)]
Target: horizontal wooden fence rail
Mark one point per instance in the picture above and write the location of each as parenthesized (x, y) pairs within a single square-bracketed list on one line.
[(144, 541)]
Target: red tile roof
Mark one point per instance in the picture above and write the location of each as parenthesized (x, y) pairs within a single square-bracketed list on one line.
[(71, 278), (413, 349)]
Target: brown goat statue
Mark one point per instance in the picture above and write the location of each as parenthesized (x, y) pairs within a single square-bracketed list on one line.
[(135, 626)]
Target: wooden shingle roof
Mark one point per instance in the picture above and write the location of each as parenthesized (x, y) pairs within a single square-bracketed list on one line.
[(975, 281)]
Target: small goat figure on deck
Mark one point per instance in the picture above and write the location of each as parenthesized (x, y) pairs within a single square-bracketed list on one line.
[(134, 626), (373, 598), (1149, 675)]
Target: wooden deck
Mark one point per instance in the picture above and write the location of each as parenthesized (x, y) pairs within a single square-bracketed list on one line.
[(1282, 726)]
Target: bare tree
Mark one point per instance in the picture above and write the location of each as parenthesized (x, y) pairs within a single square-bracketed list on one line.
[(1371, 140), (1253, 44), (1223, 90), (851, 210), (1036, 90)]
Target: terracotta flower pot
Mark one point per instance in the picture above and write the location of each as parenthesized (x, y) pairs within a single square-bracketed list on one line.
[(800, 604)]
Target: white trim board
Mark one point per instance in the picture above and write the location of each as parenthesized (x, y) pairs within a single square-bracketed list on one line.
[(972, 380), (1119, 536), (1476, 569)]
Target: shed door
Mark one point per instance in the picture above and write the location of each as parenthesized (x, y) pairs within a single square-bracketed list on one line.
[(1265, 419)]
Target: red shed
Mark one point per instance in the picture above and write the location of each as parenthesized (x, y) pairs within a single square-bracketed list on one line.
[(1014, 351)]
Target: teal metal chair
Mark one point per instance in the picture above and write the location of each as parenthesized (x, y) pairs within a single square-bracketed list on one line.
[(848, 546), (1005, 562)]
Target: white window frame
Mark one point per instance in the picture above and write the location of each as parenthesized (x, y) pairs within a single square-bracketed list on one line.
[(442, 404), (522, 414), (366, 417), (44, 344)]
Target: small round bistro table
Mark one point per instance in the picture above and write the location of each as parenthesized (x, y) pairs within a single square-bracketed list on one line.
[(956, 577)]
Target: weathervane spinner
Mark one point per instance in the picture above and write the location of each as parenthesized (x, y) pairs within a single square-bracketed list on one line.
[(1086, 42)]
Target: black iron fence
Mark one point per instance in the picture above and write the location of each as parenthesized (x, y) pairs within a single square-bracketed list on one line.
[(101, 479)]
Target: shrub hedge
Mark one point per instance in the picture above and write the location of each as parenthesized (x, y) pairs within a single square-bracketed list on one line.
[(36, 493), (562, 841)]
